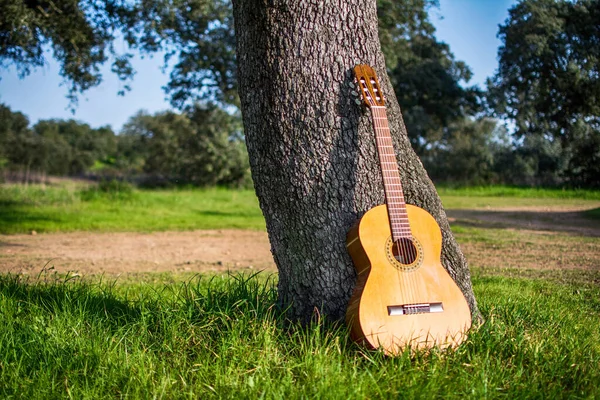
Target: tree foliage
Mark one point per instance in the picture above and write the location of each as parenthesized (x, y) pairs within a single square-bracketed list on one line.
[(55, 147), (202, 147), (80, 34), (547, 85), (17, 144), (199, 35), (12, 125), (72, 147), (467, 153), (548, 80), (427, 79)]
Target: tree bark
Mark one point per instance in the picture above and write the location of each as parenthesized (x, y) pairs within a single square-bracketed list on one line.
[(312, 149)]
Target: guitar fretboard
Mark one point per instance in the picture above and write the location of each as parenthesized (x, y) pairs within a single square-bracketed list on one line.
[(394, 196)]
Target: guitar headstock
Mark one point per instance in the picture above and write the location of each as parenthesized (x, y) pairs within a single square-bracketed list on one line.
[(368, 86)]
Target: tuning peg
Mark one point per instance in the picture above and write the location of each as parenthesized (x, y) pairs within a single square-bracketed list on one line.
[(354, 93), (357, 101)]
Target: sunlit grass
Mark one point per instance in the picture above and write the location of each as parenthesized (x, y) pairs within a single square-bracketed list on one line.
[(486, 202), (72, 207), (225, 338), (519, 192), (483, 197), (60, 209)]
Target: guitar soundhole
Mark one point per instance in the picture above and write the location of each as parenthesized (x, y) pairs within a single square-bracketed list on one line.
[(405, 251), (405, 254)]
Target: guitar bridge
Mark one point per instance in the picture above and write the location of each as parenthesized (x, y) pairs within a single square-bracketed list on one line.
[(421, 308)]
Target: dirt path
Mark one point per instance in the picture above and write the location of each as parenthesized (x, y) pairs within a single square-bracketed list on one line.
[(199, 251), (116, 253)]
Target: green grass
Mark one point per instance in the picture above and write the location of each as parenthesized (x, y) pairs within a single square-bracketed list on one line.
[(73, 207), (520, 192), (52, 209), (224, 338), (485, 202), (184, 336), (505, 197)]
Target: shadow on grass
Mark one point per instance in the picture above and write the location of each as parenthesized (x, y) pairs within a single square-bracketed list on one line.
[(215, 213), (238, 294), (6, 244), (201, 313), (577, 222), (594, 213), (67, 294), (247, 305), (19, 218), (236, 297), (179, 320)]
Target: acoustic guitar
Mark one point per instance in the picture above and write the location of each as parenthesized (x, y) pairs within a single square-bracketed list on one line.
[(403, 296)]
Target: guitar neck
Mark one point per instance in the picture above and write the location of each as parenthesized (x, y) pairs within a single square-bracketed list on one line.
[(394, 196)]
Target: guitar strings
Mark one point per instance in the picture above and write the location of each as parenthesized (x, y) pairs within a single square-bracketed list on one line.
[(402, 239), (408, 247), (382, 159), (379, 125), (404, 244)]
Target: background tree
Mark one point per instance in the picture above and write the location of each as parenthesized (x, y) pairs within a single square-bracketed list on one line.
[(548, 82), (216, 152), (20, 148), (55, 147), (12, 125), (467, 153), (428, 81), (584, 155), (311, 148), (202, 147), (155, 139), (73, 147), (199, 36)]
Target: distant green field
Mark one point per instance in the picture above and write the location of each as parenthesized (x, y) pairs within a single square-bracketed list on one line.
[(73, 207), (484, 202), (517, 192), (506, 197), (225, 338)]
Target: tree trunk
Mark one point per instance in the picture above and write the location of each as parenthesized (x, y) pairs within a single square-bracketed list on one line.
[(312, 149)]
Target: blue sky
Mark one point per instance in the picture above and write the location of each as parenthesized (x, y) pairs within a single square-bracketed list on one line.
[(468, 26)]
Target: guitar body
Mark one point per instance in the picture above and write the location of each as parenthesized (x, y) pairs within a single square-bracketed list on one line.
[(396, 305), (403, 297)]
